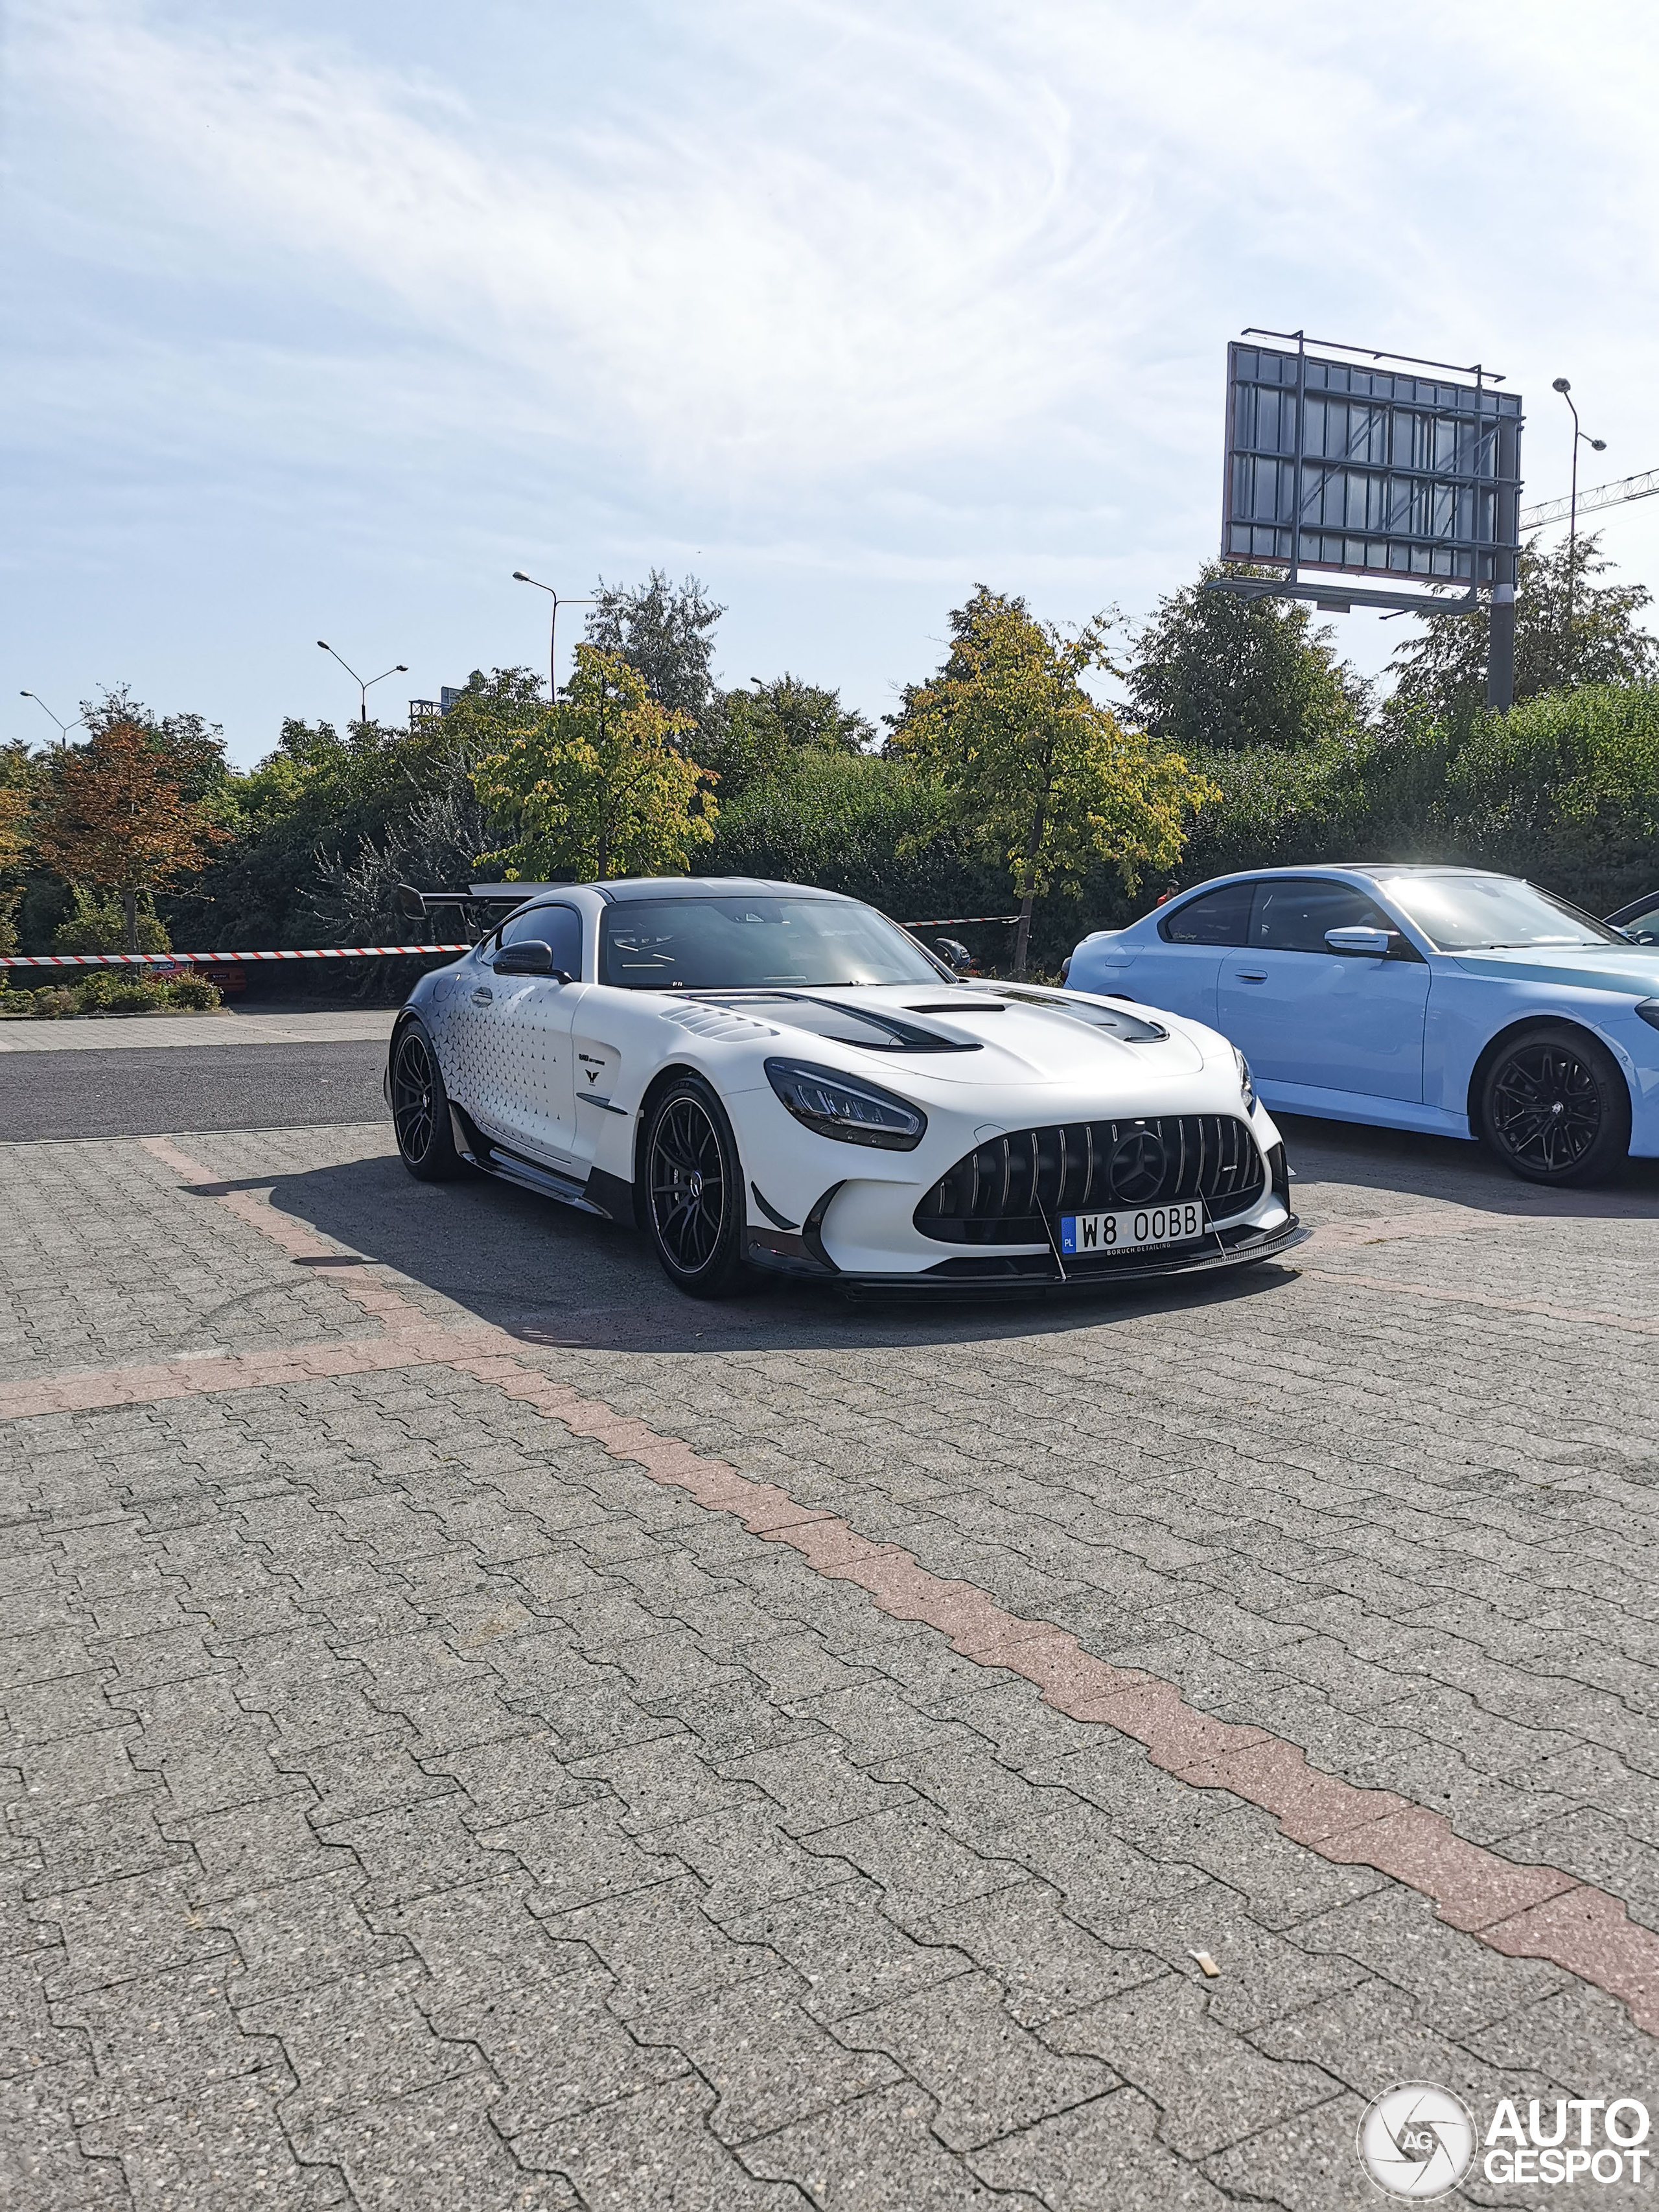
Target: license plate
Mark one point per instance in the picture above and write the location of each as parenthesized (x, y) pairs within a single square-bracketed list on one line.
[(1181, 1224)]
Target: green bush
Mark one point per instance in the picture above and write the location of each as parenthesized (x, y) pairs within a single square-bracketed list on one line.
[(875, 829), (111, 991), (1566, 789), (136, 994), (196, 994)]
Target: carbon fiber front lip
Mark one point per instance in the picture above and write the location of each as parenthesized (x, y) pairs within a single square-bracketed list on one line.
[(1265, 1247)]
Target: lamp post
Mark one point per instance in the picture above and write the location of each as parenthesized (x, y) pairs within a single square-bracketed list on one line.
[(63, 728), (520, 577), (1596, 446), (363, 690)]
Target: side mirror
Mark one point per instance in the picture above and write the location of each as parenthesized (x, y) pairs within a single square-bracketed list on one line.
[(955, 952), (531, 956), (1361, 941)]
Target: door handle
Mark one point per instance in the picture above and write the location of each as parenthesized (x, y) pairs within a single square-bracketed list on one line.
[(1249, 974), (483, 996)]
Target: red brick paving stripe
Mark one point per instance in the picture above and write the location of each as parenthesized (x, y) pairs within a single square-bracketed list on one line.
[(1533, 1911), (1634, 1324), (1343, 1235), (373, 1296), (1527, 1912), (196, 1376), (1592, 1935), (1389, 1228)]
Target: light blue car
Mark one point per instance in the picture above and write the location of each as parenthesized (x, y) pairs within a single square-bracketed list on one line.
[(1451, 1000)]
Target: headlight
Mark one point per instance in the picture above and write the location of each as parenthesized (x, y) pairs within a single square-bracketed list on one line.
[(1246, 1088), (841, 1106), (1649, 1010)]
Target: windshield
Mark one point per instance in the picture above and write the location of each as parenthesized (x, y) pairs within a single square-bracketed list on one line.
[(1485, 914), (744, 943)]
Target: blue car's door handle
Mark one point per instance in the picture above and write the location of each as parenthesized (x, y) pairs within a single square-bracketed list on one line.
[(483, 996), (1249, 975)]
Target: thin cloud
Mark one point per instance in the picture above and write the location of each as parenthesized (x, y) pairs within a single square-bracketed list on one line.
[(902, 292)]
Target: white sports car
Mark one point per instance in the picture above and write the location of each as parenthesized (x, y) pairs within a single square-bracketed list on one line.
[(761, 1075)]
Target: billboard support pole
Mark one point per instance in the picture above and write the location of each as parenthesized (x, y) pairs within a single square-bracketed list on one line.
[(1500, 649), (1301, 446)]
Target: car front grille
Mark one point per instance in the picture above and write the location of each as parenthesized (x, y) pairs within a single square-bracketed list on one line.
[(1005, 1191)]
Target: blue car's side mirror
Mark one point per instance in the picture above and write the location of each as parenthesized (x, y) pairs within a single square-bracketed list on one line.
[(1361, 941)]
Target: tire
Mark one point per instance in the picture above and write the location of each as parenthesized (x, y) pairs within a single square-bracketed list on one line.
[(420, 1108), (1554, 1109), (691, 1191)]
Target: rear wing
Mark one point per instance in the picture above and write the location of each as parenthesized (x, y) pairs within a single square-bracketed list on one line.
[(472, 913)]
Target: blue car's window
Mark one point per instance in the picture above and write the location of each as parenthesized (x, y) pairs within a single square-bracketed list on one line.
[(1292, 914), (1643, 928), (1219, 917), (736, 943), (1485, 914)]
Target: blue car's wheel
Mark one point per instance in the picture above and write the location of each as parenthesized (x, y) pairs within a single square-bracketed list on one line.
[(1554, 1109)]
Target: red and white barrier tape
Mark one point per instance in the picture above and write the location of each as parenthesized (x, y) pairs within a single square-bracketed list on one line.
[(193, 959)]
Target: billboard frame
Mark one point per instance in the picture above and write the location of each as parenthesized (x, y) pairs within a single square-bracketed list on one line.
[(1335, 593)]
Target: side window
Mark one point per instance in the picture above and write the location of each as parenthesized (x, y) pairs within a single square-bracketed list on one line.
[(560, 926), (1218, 917), (1293, 914), (1643, 928)]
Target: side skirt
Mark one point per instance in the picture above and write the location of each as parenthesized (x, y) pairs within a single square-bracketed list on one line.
[(606, 1195), (1363, 1106)]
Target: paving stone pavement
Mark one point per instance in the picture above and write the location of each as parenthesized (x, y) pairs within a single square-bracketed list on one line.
[(413, 1802)]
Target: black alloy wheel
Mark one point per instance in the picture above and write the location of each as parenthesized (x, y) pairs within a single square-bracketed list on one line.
[(420, 1108), (1554, 1108), (693, 1191)]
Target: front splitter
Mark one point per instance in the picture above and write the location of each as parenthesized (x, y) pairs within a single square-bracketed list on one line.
[(1036, 1271)]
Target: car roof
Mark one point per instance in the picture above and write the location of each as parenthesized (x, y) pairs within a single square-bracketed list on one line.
[(621, 889), (1374, 870), (1633, 907)]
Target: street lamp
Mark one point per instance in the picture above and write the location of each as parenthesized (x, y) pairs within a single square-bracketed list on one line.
[(363, 690), (1596, 446), (63, 728), (520, 577)]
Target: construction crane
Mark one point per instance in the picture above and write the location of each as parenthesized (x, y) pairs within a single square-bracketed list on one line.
[(1608, 495)]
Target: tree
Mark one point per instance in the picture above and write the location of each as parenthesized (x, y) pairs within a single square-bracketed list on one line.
[(1034, 767), (1568, 631), (119, 821), (18, 776), (193, 748), (748, 736), (665, 632), (1216, 670), (597, 786), (433, 844)]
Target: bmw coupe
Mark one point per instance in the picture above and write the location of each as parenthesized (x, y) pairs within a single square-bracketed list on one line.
[(1451, 1000)]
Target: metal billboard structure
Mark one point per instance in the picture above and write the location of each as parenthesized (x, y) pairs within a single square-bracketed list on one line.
[(1348, 468)]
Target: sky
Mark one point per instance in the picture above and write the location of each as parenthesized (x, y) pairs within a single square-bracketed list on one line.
[(322, 319)]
